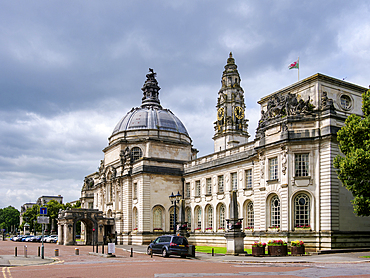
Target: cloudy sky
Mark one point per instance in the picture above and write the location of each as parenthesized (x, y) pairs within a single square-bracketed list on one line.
[(71, 69)]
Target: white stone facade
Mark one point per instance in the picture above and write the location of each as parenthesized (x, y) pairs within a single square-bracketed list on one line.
[(285, 181)]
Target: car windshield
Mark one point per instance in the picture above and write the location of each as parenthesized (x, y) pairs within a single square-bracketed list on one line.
[(180, 240)]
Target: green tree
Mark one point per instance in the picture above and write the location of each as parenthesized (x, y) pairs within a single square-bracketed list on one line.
[(30, 217), (9, 217), (53, 207), (354, 167)]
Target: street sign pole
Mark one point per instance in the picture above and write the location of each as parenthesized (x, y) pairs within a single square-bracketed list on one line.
[(43, 219), (42, 240)]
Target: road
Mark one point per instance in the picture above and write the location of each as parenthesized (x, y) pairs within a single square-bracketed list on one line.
[(67, 264)]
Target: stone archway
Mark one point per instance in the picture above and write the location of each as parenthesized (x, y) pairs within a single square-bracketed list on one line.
[(94, 223)]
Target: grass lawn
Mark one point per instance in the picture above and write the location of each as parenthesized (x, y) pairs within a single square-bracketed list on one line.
[(217, 250)]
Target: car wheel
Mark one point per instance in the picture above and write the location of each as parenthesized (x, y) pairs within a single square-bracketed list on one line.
[(149, 251), (164, 253)]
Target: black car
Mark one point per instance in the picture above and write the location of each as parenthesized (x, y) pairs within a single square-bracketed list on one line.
[(169, 245)]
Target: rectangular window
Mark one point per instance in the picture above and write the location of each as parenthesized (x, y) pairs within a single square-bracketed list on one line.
[(248, 179), (209, 186), (301, 165), (197, 188), (221, 184), (187, 190), (234, 180), (273, 168), (135, 191)]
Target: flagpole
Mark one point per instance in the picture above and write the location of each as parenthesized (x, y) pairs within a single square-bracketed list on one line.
[(298, 68)]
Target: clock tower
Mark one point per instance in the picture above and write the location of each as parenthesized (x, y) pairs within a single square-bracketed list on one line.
[(231, 126)]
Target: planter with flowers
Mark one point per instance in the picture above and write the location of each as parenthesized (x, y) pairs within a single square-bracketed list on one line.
[(274, 229), (157, 230), (277, 248), (221, 230), (249, 229), (258, 248), (209, 229), (302, 228), (134, 231), (297, 248), (197, 230)]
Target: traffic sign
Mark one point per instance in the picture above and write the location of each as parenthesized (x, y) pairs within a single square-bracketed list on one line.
[(43, 211), (43, 219)]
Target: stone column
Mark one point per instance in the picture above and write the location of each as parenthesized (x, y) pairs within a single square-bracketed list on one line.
[(234, 236)]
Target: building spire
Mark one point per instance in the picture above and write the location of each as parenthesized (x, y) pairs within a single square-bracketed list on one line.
[(151, 91), (231, 127)]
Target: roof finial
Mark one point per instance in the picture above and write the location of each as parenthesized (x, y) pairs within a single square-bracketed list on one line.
[(230, 55)]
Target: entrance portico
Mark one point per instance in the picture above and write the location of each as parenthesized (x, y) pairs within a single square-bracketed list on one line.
[(94, 226)]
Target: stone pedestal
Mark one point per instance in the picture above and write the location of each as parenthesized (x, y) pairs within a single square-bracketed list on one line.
[(234, 243)]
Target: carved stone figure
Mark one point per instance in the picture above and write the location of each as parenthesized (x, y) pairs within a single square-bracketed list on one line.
[(88, 183), (326, 102), (101, 167), (284, 160), (114, 172), (281, 106)]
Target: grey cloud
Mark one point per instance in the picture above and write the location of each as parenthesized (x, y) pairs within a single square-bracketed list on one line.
[(71, 69)]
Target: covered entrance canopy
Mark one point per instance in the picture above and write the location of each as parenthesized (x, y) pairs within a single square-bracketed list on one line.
[(94, 227)]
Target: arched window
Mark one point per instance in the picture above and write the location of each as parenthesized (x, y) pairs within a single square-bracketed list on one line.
[(221, 216), (198, 214), (275, 212), (250, 216), (136, 153), (157, 218), (188, 216), (209, 217), (302, 210)]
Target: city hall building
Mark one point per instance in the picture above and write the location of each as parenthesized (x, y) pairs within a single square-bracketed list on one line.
[(287, 187)]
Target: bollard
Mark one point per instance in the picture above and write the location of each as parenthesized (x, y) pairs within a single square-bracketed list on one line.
[(15, 252), (132, 252), (151, 253), (102, 248), (25, 251), (38, 251), (77, 251), (213, 252), (56, 252), (97, 247)]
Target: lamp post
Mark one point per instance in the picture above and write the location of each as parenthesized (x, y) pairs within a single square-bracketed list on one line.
[(174, 200)]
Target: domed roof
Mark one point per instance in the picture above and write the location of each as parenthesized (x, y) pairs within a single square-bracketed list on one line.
[(150, 115), (150, 118)]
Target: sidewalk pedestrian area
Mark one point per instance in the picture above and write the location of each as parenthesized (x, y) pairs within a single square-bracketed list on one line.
[(7, 258)]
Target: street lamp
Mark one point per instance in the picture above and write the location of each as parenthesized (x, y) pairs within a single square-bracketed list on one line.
[(174, 200)]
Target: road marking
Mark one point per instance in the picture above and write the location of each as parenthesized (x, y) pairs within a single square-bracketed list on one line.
[(6, 270)]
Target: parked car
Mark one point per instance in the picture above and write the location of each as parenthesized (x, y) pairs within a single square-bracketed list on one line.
[(50, 238), (26, 238), (169, 245)]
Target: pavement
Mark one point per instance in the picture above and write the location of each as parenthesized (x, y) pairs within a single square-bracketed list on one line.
[(343, 256), (350, 256)]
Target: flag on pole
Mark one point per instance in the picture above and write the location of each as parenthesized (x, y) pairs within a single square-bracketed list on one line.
[(294, 65)]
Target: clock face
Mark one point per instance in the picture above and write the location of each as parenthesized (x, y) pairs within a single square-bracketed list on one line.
[(239, 113), (220, 114)]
